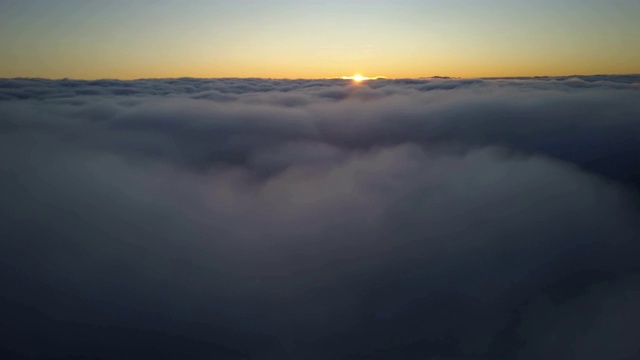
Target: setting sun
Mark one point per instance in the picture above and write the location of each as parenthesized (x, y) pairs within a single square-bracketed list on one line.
[(357, 78)]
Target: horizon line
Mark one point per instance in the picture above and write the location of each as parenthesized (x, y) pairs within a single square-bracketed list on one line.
[(344, 77)]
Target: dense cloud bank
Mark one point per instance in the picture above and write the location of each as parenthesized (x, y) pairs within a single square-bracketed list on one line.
[(226, 218)]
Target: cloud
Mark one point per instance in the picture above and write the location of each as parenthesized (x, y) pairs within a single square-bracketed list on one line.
[(208, 218)]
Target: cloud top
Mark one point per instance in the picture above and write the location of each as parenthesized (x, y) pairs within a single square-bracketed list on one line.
[(431, 218)]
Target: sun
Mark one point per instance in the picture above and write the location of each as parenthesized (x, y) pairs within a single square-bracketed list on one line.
[(357, 78)]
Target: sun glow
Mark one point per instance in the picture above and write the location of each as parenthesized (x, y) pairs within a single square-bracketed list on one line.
[(357, 78)]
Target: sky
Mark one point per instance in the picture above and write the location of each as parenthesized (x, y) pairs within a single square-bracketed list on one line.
[(90, 39)]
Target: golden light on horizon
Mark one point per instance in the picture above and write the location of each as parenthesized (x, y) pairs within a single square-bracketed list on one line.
[(358, 78)]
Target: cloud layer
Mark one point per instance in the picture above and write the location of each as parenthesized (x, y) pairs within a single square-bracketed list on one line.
[(225, 218)]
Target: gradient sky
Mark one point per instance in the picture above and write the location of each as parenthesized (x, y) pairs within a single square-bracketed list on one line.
[(315, 39)]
